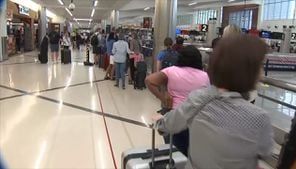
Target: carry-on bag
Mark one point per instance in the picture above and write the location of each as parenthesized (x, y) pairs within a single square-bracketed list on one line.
[(66, 56), (43, 58), (165, 156), (140, 75)]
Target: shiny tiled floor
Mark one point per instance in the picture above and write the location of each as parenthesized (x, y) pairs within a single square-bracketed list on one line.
[(51, 115)]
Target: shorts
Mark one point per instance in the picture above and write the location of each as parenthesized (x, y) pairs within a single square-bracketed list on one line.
[(111, 60), (54, 47), (96, 50)]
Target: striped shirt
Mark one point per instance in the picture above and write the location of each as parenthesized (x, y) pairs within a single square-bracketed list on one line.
[(226, 131)]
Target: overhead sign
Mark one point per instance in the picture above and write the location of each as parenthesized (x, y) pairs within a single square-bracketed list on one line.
[(293, 36), (203, 28), (24, 10)]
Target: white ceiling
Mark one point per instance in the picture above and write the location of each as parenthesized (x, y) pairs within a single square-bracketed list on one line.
[(130, 10)]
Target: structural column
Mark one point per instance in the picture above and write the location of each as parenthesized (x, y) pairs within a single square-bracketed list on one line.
[(114, 18), (3, 30), (42, 24), (165, 18), (285, 45)]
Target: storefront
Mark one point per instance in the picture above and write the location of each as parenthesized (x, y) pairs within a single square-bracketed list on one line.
[(22, 25)]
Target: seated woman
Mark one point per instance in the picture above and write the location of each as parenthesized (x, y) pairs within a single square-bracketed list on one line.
[(225, 130), (180, 80)]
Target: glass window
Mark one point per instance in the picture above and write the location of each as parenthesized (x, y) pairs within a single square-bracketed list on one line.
[(205, 15), (243, 19), (278, 9)]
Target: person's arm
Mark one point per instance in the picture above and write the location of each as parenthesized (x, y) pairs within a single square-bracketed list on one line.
[(128, 50), (154, 81), (265, 139), (113, 49), (177, 120), (132, 46), (159, 59), (158, 65)]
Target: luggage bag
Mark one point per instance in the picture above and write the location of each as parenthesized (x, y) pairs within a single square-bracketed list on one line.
[(165, 156), (43, 58), (140, 75), (66, 56)]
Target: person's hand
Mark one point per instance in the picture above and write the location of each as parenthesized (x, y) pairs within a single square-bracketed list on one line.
[(156, 117)]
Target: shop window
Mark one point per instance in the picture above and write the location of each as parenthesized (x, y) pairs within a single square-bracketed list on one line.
[(243, 19), (278, 9)]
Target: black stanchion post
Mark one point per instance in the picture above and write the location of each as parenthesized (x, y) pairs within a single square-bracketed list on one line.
[(266, 67), (87, 62)]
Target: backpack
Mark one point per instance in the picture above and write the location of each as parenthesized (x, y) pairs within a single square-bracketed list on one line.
[(94, 40), (54, 38), (170, 59)]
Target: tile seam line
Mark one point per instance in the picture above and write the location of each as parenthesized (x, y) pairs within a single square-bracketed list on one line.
[(50, 89), (119, 118), (105, 123), (17, 63)]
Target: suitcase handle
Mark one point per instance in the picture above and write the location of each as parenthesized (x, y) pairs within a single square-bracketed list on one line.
[(171, 163)]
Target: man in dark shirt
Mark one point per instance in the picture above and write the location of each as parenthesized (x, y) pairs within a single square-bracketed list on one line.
[(54, 37)]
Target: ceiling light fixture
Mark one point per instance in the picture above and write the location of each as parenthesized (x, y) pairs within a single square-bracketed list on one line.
[(92, 13), (193, 3), (96, 3), (231, 0), (147, 8), (61, 2), (82, 19), (69, 12)]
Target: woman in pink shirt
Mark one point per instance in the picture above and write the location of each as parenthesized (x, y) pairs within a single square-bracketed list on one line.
[(180, 80)]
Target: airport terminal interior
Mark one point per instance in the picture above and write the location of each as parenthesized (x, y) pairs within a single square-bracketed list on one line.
[(65, 112)]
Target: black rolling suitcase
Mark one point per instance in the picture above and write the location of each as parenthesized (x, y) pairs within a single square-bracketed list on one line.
[(43, 55), (140, 75), (66, 56), (43, 58), (165, 156)]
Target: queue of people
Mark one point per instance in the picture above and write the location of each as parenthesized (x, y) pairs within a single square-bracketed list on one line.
[(209, 113)]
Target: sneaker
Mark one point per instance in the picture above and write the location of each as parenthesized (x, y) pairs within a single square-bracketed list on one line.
[(123, 87), (106, 78), (116, 85)]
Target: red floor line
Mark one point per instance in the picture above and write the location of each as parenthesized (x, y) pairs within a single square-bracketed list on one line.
[(106, 128)]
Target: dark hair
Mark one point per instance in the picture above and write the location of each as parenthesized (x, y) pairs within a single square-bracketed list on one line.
[(179, 40), (103, 31), (111, 36), (235, 63), (121, 36), (168, 42), (190, 56)]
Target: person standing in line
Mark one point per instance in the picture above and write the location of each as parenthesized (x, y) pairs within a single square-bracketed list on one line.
[(166, 53), (102, 45), (95, 47), (180, 80), (66, 40), (54, 39), (110, 69), (78, 40), (18, 40), (135, 46), (120, 50), (179, 44)]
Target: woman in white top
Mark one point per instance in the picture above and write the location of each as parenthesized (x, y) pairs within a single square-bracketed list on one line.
[(66, 40)]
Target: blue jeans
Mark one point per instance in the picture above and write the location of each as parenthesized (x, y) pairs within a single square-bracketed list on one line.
[(120, 73)]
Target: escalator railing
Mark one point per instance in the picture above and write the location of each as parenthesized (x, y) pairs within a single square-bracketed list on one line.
[(280, 134)]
